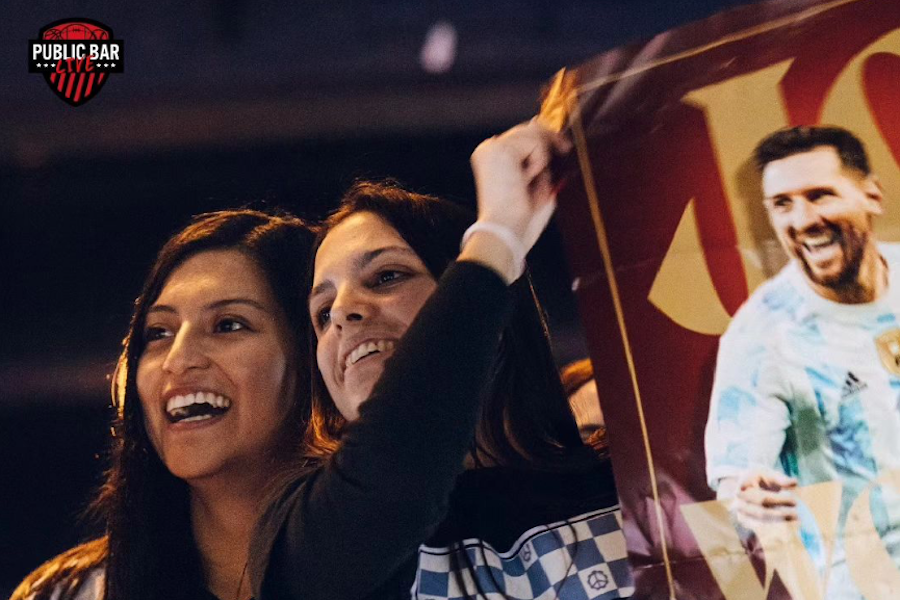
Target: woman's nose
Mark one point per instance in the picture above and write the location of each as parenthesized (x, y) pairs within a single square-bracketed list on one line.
[(350, 306), (186, 352)]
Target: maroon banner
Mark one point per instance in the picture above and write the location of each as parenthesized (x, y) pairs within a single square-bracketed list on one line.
[(668, 235)]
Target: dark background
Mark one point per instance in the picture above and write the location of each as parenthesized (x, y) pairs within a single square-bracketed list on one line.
[(230, 103)]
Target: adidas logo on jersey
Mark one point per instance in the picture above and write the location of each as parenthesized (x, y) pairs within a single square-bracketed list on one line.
[(852, 385)]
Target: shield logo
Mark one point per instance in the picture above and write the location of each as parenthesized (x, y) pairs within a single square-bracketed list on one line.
[(888, 344), (76, 80)]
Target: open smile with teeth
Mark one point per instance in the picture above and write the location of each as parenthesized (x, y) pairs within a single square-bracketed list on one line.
[(366, 349), (818, 243), (198, 406)]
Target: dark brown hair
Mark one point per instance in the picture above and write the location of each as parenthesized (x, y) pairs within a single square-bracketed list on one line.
[(787, 142)]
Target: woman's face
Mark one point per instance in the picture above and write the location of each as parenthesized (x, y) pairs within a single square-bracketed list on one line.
[(368, 286), (216, 375)]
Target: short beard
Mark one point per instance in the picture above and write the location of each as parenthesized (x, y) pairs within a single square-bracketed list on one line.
[(853, 247)]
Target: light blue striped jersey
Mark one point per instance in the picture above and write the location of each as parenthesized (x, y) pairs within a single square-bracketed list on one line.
[(801, 387)]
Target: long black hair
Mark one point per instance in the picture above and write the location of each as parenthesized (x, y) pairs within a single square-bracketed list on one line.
[(526, 421), (148, 550)]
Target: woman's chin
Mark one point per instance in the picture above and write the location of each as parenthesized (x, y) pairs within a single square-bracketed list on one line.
[(192, 470), (349, 406)]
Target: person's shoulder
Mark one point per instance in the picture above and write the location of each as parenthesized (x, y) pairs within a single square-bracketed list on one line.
[(775, 300), (76, 574), (891, 253)]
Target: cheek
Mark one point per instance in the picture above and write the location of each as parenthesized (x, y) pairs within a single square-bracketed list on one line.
[(853, 209), (269, 375), (326, 351), (862, 218), (409, 305), (147, 382), (269, 385), (782, 226)]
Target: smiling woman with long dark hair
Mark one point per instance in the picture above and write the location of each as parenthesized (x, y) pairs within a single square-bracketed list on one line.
[(442, 457), (211, 391)]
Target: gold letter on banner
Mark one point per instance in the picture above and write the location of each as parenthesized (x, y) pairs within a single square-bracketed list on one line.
[(739, 112), (871, 567), (701, 310), (847, 107), (721, 547), (781, 542)]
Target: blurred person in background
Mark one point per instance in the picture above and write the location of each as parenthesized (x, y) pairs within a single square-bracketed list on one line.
[(581, 389)]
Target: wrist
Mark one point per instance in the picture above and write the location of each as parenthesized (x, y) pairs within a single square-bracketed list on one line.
[(490, 251)]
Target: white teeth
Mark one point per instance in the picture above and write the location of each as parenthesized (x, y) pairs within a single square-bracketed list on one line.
[(818, 241), (210, 398), (367, 348), (197, 418), (180, 401)]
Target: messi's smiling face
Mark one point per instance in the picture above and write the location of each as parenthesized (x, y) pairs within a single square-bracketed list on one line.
[(822, 213)]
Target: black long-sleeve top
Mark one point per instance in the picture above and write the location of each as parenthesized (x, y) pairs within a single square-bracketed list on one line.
[(351, 529)]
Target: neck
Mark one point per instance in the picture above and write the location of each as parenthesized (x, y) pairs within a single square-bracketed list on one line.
[(868, 286), (222, 518)]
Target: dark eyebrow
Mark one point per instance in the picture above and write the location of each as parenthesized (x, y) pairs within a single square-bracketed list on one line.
[(319, 289), (246, 301), (217, 304), (362, 262), (371, 255), (820, 189)]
